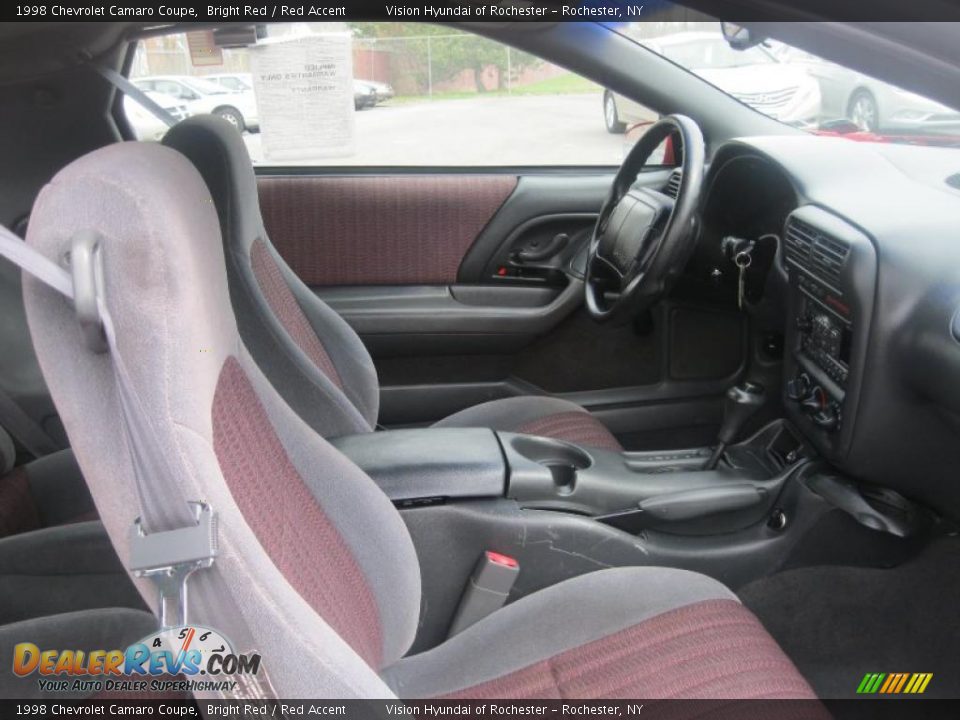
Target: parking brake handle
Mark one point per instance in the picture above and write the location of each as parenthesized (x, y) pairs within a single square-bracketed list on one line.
[(691, 504)]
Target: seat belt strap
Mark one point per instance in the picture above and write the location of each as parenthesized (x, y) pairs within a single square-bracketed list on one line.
[(172, 538), (123, 84)]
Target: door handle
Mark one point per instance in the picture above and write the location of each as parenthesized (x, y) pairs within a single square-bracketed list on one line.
[(535, 252)]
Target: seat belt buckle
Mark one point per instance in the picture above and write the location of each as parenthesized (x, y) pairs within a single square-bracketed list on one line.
[(170, 557), (487, 590)]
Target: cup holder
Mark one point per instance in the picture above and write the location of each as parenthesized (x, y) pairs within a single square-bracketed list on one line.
[(561, 459)]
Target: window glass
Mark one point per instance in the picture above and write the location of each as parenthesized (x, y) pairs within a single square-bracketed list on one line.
[(713, 52), (422, 95)]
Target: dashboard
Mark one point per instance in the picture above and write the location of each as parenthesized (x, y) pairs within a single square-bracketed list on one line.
[(867, 268)]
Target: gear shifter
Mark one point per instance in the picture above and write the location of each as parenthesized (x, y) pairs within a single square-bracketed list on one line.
[(741, 402)]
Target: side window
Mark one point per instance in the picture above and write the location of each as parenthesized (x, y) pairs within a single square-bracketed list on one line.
[(422, 95)]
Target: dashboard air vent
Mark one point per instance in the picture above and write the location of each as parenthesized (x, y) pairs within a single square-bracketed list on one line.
[(822, 255), (673, 184)]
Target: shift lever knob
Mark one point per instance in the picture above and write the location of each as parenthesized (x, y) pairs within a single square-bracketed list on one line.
[(741, 402)]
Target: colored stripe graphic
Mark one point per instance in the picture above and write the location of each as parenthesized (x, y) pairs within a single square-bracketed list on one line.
[(894, 683)]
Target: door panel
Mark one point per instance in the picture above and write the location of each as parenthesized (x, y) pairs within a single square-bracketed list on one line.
[(452, 322), (369, 230), (538, 199)]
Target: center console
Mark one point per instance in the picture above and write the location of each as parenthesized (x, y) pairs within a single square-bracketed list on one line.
[(832, 271), (562, 510), (629, 490)]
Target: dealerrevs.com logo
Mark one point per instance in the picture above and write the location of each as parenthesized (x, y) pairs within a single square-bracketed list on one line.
[(181, 659)]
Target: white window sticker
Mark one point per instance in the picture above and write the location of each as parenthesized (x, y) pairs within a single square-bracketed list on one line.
[(304, 90)]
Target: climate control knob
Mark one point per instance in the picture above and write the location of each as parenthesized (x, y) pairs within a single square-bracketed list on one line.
[(815, 401), (829, 418), (799, 387)]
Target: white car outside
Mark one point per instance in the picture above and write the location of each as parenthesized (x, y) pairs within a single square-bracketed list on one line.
[(204, 96), (870, 104), (753, 76), (233, 82), (146, 125)]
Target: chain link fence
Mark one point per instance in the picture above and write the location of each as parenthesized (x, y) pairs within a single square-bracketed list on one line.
[(429, 65), (414, 65)]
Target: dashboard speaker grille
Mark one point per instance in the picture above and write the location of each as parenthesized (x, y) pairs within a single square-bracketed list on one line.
[(814, 250)]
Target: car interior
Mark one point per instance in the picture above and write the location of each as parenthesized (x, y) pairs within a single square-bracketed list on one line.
[(683, 427)]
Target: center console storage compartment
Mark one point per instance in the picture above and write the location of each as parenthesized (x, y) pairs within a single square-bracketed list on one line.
[(429, 465)]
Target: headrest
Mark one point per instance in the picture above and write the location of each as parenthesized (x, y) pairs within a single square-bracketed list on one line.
[(165, 283), (218, 152)]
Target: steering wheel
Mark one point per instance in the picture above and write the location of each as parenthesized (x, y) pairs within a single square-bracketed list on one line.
[(643, 237)]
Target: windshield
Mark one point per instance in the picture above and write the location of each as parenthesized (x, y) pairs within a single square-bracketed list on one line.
[(715, 52), (801, 89)]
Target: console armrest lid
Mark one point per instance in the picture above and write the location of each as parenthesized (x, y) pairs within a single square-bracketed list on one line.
[(430, 462)]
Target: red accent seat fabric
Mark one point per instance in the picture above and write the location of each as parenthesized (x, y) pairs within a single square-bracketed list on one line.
[(46, 492), (712, 649), (18, 510), (580, 428), (538, 415), (287, 520)]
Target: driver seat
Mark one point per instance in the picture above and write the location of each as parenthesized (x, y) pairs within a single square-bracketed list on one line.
[(314, 359)]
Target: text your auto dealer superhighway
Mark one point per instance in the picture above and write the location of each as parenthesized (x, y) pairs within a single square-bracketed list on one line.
[(89, 11)]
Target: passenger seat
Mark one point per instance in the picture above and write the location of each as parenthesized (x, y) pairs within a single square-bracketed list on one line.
[(314, 359), (46, 492)]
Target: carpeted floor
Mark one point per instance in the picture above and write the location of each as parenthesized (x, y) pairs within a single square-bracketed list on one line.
[(839, 623)]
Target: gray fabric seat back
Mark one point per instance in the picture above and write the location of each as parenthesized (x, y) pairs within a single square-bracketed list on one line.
[(310, 354), (316, 558)]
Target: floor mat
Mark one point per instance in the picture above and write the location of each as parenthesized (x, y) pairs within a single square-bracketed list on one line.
[(839, 623)]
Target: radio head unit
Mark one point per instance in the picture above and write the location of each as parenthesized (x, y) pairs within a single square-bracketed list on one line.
[(825, 330)]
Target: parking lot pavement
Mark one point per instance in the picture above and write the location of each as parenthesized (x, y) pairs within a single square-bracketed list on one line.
[(482, 130)]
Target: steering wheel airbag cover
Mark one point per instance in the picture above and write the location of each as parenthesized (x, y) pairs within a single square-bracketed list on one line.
[(643, 237)]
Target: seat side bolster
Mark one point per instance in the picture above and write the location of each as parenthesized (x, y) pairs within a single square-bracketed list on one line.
[(549, 622)]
